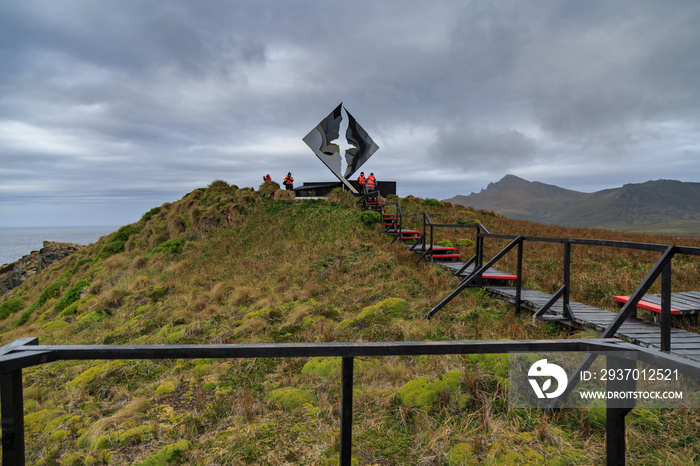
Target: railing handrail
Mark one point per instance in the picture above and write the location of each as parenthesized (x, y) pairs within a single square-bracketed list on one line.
[(23, 356), (24, 352)]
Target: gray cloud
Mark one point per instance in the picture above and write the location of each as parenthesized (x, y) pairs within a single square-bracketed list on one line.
[(469, 148), (142, 100)]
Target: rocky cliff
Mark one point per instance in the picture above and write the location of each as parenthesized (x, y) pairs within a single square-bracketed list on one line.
[(13, 274)]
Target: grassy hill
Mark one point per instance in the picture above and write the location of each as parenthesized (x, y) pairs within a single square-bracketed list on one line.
[(229, 265), (661, 206)]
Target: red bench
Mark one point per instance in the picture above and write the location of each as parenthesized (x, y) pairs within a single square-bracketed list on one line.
[(645, 305), (500, 276)]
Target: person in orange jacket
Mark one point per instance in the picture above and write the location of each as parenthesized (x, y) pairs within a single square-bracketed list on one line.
[(371, 182), (361, 180), (289, 181)]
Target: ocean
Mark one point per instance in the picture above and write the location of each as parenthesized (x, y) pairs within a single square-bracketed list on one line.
[(18, 242)]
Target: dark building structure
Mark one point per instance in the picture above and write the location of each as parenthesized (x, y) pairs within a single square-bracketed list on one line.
[(314, 189)]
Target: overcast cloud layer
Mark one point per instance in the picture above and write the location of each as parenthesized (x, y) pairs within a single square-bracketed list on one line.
[(110, 108)]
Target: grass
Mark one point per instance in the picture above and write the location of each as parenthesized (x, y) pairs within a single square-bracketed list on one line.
[(230, 265)]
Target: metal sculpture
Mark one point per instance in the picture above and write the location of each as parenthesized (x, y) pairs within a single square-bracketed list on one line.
[(320, 140)]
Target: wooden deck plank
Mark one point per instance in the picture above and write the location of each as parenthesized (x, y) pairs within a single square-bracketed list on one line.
[(634, 330), (456, 266), (677, 302)]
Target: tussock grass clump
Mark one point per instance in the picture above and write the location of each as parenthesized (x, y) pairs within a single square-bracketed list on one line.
[(268, 189)]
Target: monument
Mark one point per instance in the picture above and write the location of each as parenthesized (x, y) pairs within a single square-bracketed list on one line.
[(320, 141)]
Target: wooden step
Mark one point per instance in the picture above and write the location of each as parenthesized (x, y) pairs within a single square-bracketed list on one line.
[(446, 256)]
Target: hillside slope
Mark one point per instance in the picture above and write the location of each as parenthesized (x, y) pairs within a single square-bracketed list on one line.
[(229, 265), (662, 206)]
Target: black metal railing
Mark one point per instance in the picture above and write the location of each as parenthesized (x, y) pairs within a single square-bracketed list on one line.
[(662, 268), (26, 352)]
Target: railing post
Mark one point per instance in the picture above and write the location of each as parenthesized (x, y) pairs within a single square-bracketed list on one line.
[(12, 418), (615, 415), (346, 411), (666, 308), (12, 407), (519, 278), (626, 310), (479, 250), (615, 435), (432, 252), (567, 278)]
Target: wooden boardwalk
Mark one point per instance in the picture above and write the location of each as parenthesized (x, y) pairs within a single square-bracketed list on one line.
[(633, 330), (491, 272), (685, 303)]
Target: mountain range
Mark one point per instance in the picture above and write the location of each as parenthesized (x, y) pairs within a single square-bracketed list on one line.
[(660, 206)]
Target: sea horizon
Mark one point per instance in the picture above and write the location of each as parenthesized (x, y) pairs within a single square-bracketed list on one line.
[(17, 242)]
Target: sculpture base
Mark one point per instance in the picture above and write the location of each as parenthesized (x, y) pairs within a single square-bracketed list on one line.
[(320, 189)]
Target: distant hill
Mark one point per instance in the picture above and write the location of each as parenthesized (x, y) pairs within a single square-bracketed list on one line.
[(661, 206)]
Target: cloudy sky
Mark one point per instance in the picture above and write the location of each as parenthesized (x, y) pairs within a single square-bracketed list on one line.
[(109, 108)]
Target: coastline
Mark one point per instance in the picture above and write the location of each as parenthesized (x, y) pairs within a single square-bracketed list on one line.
[(17, 242)]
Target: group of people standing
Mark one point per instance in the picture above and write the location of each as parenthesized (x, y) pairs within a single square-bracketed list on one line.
[(288, 180), (367, 185)]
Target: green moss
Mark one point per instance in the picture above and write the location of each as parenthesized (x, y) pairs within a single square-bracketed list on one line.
[(51, 291), (433, 203), (461, 454), (379, 314), (73, 459), (135, 435), (267, 313), (117, 241), (175, 337), (202, 368), (496, 364), (370, 217), (98, 458), (147, 216), (290, 398), (103, 442), (72, 295), (453, 379), (72, 309), (10, 306), (209, 386), (53, 326), (422, 392), (91, 318), (176, 452), (525, 437), (171, 246), (166, 388), (36, 422), (322, 367), (58, 435), (533, 456), (465, 243), (57, 422), (93, 373)]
